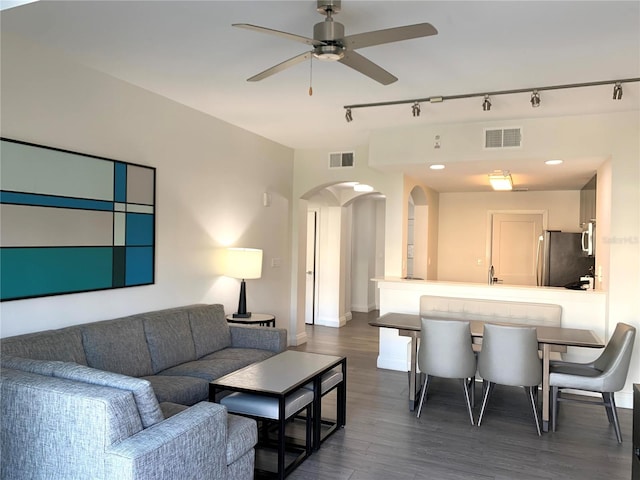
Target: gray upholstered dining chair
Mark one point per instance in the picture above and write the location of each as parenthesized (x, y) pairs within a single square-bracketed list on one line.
[(605, 375), (446, 351), (509, 356)]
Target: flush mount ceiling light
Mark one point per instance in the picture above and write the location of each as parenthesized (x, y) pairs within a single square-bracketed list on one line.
[(617, 91), (535, 99), (362, 188), (415, 109), (501, 180), (553, 162), (436, 166), (486, 105), (348, 116)]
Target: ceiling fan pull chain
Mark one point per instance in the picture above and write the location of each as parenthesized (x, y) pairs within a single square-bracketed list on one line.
[(310, 75)]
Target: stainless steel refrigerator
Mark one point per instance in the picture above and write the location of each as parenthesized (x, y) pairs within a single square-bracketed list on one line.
[(561, 261)]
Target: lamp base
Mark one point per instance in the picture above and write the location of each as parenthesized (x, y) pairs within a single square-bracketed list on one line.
[(242, 315)]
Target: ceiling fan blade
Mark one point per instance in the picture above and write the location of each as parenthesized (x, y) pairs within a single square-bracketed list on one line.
[(281, 66), (289, 36), (367, 67), (389, 35)]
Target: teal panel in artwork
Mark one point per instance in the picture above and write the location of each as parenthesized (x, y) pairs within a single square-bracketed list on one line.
[(139, 229), (139, 266), (34, 272)]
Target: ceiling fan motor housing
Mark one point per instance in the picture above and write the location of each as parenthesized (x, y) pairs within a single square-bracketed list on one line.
[(329, 33)]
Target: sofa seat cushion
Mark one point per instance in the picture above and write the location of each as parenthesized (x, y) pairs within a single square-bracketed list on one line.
[(207, 370), (182, 390), (169, 338), (118, 346), (246, 355), (242, 436), (169, 409)]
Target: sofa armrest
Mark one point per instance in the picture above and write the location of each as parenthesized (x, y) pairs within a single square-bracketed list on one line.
[(265, 338), (190, 444)]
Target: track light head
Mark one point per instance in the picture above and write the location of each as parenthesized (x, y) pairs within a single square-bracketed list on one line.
[(415, 109), (617, 91), (486, 105), (348, 117), (535, 99)]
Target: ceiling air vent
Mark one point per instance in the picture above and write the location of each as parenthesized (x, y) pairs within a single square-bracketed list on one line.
[(341, 160), (503, 137)]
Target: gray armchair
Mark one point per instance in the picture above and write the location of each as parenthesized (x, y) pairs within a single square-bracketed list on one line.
[(605, 375), (509, 356), (446, 351)]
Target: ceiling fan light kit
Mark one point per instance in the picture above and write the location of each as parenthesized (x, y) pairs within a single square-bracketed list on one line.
[(330, 43)]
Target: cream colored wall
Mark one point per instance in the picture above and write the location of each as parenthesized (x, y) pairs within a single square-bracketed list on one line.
[(464, 228), (210, 181)]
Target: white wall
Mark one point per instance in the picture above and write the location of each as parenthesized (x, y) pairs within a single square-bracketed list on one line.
[(210, 181), (363, 255), (464, 224)]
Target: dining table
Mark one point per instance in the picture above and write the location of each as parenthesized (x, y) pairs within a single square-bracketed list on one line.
[(409, 325)]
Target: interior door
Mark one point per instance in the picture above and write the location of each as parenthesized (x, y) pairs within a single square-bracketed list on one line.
[(514, 243), (311, 297)]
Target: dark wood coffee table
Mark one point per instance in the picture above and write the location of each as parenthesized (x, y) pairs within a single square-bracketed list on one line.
[(280, 376)]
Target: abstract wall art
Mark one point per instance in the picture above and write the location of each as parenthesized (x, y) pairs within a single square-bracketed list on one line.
[(71, 222)]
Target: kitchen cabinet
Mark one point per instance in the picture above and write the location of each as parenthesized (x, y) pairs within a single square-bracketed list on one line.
[(588, 202)]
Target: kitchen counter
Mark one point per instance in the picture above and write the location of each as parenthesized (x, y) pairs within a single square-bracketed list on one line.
[(580, 309)]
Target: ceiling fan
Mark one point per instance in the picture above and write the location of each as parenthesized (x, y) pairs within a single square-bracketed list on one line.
[(329, 43)]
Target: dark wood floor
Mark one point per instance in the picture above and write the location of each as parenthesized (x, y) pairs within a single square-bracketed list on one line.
[(384, 440)]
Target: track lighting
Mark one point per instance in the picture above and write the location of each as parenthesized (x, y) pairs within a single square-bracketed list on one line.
[(535, 99), (617, 91), (486, 105), (415, 109), (348, 116)]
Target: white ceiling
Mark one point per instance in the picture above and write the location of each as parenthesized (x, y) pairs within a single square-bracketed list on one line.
[(189, 52)]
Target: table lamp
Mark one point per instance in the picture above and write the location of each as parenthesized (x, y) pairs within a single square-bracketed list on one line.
[(243, 263)]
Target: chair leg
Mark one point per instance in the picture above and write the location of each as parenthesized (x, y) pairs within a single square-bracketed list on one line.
[(531, 397), (607, 406), (487, 388), (467, 397), (472, 384), (425, 387), (610, 401), (555, 395)]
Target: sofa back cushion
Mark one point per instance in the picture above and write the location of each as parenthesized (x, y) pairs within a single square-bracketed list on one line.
[(118, 346), (145, 398), (169, 338), (143, 394), (209, 328), (64, 345)]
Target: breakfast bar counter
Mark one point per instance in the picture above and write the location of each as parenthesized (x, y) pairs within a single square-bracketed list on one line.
[(580, 309)]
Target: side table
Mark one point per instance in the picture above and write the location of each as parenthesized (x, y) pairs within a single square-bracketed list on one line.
[(262, 319)]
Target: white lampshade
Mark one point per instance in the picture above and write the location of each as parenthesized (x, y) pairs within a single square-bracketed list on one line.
[(244, 263)]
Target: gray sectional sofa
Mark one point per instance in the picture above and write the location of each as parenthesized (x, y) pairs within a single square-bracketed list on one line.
[(127, 398)]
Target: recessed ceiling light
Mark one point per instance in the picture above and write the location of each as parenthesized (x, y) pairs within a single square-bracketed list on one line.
[(436, 166), (553, 162)]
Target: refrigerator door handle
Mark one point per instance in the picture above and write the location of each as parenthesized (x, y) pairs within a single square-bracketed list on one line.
[(585, 246), (538, 266)]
